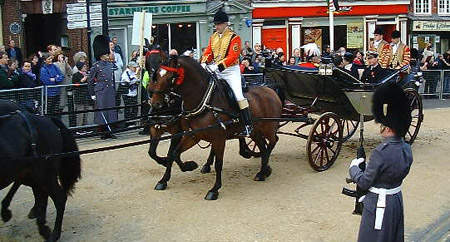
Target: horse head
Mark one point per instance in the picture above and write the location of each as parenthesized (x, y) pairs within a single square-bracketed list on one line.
[(162, 81)]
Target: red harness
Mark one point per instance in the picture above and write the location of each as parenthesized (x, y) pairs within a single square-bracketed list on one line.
[(178, 71), (151, 52)]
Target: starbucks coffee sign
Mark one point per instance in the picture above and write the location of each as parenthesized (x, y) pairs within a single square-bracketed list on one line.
[(155, 10), (431, 26)]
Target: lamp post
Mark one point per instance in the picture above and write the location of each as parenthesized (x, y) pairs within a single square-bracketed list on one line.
[(105, 17)]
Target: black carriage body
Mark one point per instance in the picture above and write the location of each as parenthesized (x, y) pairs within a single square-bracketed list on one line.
[(322, 93)]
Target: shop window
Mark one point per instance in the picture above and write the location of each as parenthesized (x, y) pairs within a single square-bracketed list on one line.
[(444, 7), (422, 6), (183, 37)]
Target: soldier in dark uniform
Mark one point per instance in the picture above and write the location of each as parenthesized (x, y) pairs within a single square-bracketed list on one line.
[(101, 85), (373, 72), (382, 216)]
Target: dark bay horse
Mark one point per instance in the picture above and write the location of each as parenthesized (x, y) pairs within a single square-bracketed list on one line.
[(186, 77), (24, 138), (152, 61)]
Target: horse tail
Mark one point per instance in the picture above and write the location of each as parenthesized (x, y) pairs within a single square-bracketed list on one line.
[(69, 170)]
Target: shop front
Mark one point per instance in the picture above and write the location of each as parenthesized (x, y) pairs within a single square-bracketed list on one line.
[(180, 25), (435, 32), (307, 21)]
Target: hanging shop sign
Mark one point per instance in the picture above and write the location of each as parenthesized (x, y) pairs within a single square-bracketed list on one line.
[(431, 26), (355, 35), (47, 6), (155, 10)]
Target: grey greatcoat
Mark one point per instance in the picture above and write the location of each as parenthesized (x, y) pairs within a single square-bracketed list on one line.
[(101, 85), (388, 166)]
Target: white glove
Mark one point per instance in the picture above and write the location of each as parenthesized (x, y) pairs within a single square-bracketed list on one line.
[(203, 65), (356, 162), (93, 98), (213, 67), (361, 199)]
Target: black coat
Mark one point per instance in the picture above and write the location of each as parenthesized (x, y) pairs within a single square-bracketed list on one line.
[(373, 74)]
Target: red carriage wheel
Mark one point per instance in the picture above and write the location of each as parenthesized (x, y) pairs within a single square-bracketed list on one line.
[(416, 107), (349, 128), (324, 141)]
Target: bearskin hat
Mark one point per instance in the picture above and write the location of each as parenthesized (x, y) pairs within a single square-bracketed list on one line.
[(391, 108), (220, 17), (100, 46)]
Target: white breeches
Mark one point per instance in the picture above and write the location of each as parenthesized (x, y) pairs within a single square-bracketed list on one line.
[(232, 75)]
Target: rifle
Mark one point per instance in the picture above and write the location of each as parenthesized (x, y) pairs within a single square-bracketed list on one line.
[(358, 193)]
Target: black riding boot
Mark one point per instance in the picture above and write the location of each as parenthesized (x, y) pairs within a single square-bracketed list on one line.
[(247, 119)]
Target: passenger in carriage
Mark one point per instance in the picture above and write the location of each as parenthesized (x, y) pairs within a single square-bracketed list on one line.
[(373, 72), (349, 67), (312, 54)]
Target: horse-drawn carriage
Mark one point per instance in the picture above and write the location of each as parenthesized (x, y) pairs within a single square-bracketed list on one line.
[(333, 103)]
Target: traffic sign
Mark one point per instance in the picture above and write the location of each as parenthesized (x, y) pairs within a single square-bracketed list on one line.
[(83, 24), (77, 8), (83, 17)]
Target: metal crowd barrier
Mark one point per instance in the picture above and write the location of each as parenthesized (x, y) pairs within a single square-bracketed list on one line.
[(65, 101), (437, 84)]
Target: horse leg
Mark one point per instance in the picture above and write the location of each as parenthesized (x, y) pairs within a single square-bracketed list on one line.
[(155, 133), (162, 184), (6, 213), (184, 144), (265, 153), (41, 199), (218, 148), (207, 166), (244, 151), (59, 197)]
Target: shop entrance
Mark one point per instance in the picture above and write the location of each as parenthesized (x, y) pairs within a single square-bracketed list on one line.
[(274, 38), (42, 30)]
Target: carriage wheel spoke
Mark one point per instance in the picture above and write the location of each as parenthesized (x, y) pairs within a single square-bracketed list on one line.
[(318, 154), (334, 152), (326, 155), (315, 149)]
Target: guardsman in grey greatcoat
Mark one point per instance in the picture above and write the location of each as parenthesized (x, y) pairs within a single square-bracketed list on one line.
[(101, 85), (382, 217)]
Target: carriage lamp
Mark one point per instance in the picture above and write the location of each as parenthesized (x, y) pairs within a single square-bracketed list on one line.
[(322, 68), (329, 70)]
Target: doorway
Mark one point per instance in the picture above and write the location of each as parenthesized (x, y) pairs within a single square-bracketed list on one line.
[(42, 30)]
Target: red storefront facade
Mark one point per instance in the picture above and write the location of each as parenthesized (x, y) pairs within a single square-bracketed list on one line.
[(300, 22)]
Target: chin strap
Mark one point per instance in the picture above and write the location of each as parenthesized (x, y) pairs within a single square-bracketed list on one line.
[(179, 72)]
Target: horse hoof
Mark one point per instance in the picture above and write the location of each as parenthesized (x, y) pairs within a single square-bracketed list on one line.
[(259, 177), (206, 169), (262, 175), (6, 215), (212, 195), (32, 213), (161, 186), (45, 232), (189, 166), (52, 238)]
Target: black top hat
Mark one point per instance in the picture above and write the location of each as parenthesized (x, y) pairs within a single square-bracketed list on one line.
[(100, 46), (379, 31), (373, 54), (220, 17), (397, 114), (395, 34)]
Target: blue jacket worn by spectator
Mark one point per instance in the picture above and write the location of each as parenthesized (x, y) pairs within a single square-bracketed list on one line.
[(51, 75)]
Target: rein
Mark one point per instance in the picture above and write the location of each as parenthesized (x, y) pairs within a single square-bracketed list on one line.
[(204, 103)]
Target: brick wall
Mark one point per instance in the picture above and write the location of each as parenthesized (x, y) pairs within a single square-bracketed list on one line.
[(13, 9), (10, 13)]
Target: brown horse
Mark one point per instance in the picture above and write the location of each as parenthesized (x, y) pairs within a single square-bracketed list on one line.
[(186, 77), (153, 59)]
